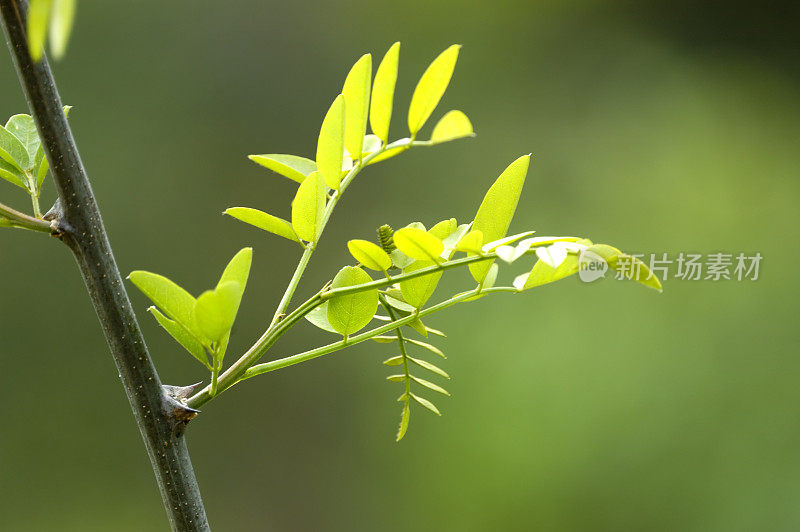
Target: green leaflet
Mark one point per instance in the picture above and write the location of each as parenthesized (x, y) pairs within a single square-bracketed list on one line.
[(424, 364), (405, 417), (238, 270), (61, 19), (454, 125), (38, 17), (380, 112), (330, 146), (24, 128), (215, 310), (356, 93), (308, 207), (427, 404), (12, 174), (444, 229), (292, 166), (319, 317), (13, 151), (543, 273), (182, 336), (264, 221), (418, 290), (471, 242), (170, 298), (370, 255), (431, 386), (418, 244), (400, 146), (350, 313), (430, 88), (497, 209), (432, 348)]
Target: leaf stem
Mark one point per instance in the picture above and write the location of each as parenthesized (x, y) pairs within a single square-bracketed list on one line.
[(23, 221)]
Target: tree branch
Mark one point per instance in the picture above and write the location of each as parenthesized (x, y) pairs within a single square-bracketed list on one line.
[(160, 416)]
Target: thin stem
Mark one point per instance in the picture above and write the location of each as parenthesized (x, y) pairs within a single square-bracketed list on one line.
[(337, 346), (159, 417), (401, 341), (23, 221)]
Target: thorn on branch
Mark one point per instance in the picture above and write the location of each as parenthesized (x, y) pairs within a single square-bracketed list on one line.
[(175, 407)]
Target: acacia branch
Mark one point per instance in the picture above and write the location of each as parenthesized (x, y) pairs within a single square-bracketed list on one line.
[(159, 415)]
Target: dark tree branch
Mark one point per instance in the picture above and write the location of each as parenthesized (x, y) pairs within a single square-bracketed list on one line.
[(159, 415)]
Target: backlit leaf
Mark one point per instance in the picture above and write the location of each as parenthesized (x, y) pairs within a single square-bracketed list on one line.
[(23, 127), (418, 290), (319, 317), (471, 242), (430, 367), (330, 146), (182, 336), (264, 221), (13, 151), (215, 310), (431, 386), (12, 174), (430, 88), (292, 166), (170, 298), (429, 347), (61, 19), (356, 93), (380, 111), (38, 19), (454, 125), (552, 255), (542, 273), (352, 312), (497, 209), (308, 207), (370, 255), (427, 404), (418, 244), (405, 417)]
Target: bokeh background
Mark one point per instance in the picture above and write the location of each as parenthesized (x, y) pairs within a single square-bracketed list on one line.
[(655, 126)]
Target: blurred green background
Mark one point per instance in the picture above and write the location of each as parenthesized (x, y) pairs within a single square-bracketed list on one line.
[(655, 126)]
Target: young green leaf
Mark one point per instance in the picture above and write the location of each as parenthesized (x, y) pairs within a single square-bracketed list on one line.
[(405, 417), (330, 146), (543, 273), (352, 312), (396, 378), (238, 269), (418, 290), (215, 310), (370, 255), (418, 244), (356, 93), (13, 151), (430, 88), (380, 111), (444, 229), (292, 166), (471, 242), (12, 174), (430, 367), (170, 298), (429, 347), (397, 149), (182, 336), (394, 361), (431, 386), (454, 125), (637, 270), (398, 304), (427, 404), (23, 127), (498, 206), (38, 19), (319, 317), (264, 221), (308, 207), (61, 19)]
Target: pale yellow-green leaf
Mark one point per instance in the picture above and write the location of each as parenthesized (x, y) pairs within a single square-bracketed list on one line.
[(380, 112), (427, 404), (38, 19), (542, 273), (292, 166), (471, 242), (418, 244), (497, 209), (356, 93), (330, 146), (370, 255), (182, 336), (352, 312), (61, 19), (444, 228), (308, 207), (454, 125), (215, 310), (418, 290), (170, 298), (405, 417), (637, 270), (431, 386), (430, 88), (264, 221)]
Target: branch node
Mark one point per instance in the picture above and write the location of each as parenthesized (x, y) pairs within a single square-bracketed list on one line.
[(174, 401), (55, 216)]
